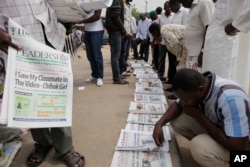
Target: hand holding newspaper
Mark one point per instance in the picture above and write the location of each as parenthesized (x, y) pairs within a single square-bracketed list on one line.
[(76, 10), (38, 85)]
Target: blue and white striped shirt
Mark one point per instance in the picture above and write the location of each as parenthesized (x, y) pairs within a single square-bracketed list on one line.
[(228, 106)]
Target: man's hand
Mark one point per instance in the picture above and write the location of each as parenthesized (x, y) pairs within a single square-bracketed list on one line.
[(231, 30), (5, 41), (158, 135)]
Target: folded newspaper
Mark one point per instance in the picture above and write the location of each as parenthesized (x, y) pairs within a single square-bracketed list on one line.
[(76, 10), (139, 141), (146, 108), (141, 159), (38, 86), (149, 119), (159, 99)]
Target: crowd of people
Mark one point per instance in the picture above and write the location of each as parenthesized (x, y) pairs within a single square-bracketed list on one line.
[(204, 44)]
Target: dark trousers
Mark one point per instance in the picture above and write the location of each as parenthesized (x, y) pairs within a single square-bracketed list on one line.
[(161, 60), (171, 66), (156, 56)]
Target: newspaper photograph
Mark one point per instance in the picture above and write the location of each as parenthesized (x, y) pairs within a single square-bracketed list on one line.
[(146, 108)]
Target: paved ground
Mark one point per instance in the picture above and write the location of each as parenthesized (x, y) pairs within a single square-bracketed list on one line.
[(99, 113)]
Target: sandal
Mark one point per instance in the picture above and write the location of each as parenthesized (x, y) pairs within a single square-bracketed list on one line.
[(75, 159), (38, 155)]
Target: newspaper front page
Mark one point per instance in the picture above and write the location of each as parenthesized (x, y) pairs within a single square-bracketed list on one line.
[(141, 159), (39, 86)]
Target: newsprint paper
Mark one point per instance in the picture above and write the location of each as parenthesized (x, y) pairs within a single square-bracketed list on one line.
[(38, 89), (141, 159), (139, 141)]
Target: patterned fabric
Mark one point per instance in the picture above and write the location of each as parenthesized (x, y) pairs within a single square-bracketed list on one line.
[(173, 36), (31, 15)]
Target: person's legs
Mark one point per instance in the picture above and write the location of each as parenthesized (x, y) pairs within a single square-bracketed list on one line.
[(171, 66), (90, 54), (96, 45), (156, 57), (187, 126), (146, 51), (122, 60), (136, 42), (208, 153), (115, 40), (161, 60)]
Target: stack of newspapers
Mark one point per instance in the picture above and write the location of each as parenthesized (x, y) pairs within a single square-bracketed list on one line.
[(76, 10), (136, 146)]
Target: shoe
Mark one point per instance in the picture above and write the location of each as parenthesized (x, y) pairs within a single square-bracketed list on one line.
[(123, 77), (172, 96), (121, 82), (99, 82), (91, 79), (168, 90), (162, 78), (126, 75)]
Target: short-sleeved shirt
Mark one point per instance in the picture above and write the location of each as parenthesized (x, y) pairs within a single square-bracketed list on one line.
[(200, 15), (228, 106)]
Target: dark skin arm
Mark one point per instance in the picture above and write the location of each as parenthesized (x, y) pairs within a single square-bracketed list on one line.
[(93, 18), (201, 53), (173, 111), (216, 132), (120, 25), (5, 42)]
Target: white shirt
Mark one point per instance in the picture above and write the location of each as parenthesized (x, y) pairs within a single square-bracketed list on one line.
[(128, 19), (200, 15), (134, 26), (95, 26), (165, 20), (181, 16), (31, 14), (142, 30), (242, 20)]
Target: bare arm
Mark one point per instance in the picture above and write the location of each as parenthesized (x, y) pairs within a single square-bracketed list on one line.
[(216, 132), (173, 111), (93, 18)]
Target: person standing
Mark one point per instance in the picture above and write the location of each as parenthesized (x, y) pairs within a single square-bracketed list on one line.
[(165, 18), (93, 41), (221, 50), (180, 17), (200, 15), (142, 38), (39, 20), (126, 40), (115, 27)]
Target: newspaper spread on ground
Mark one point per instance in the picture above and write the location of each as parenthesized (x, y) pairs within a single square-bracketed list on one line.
[(139, 141), (148, 119), (39, 84), (141, 159), (146, 108), (149, 90), (150, 98), (149, 83), (148, 128)]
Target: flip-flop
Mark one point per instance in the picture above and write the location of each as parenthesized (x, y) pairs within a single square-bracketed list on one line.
[(38, 155), (74, 159)]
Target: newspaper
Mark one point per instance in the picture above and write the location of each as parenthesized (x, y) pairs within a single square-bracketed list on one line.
[(149, 119), (159, 99), (39, 84), (139, 141), (144, 82), (76, 10), (141, 159), (148, 76), (146, 108), (149, 90), (143, 71), (148, 128)]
